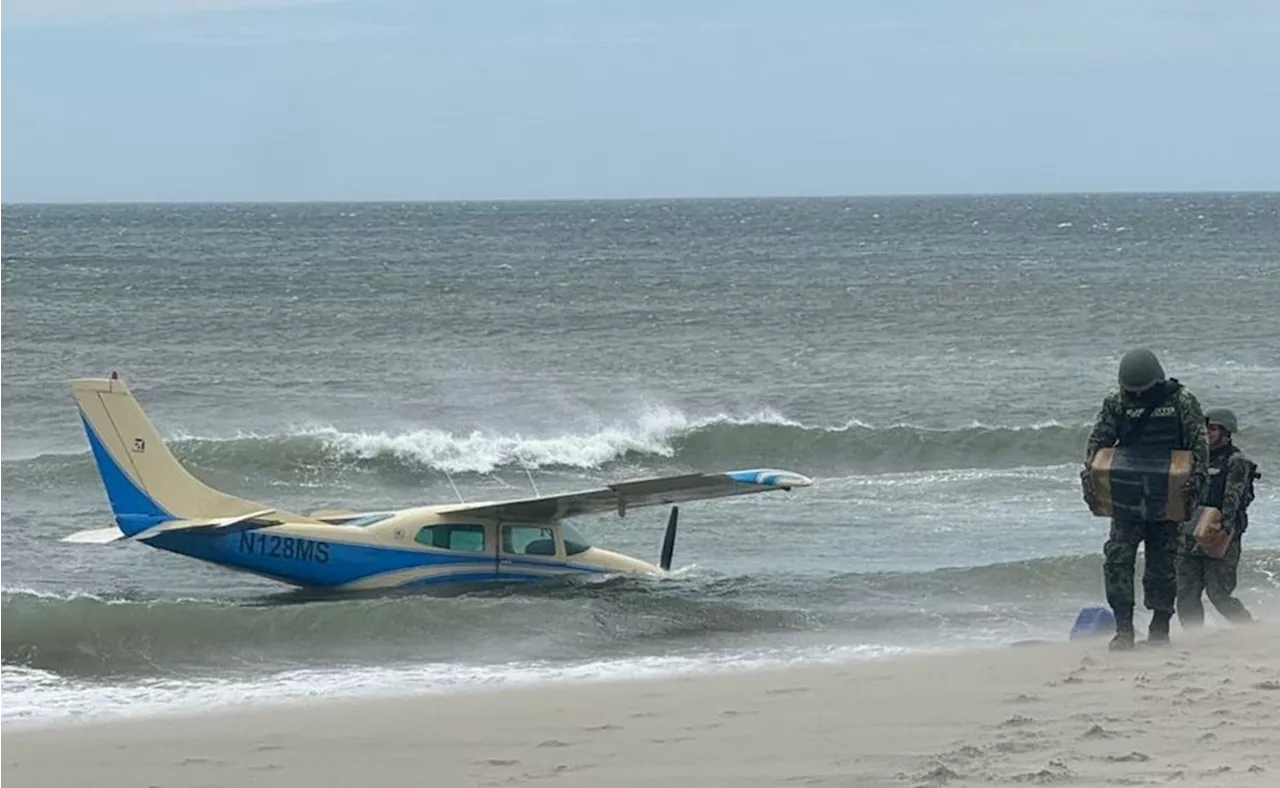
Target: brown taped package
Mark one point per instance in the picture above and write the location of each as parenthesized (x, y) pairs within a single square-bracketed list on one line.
[(1209, 533), (1122, 482)]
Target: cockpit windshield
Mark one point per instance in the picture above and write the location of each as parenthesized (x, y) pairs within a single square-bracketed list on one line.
[(574, 542), (367, 520)]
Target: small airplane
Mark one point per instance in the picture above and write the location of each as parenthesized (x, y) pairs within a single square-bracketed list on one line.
[(156, 501)]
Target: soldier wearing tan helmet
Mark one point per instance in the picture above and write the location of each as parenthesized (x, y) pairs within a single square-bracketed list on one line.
[(1230, 491)]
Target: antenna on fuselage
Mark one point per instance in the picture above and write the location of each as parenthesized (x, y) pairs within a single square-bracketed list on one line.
[(532, 483), (449, 476)]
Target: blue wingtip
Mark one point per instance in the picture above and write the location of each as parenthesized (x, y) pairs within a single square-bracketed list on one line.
[(770, 477)]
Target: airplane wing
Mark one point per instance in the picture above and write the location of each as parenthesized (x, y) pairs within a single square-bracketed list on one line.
[(640, 492), (614, 497)]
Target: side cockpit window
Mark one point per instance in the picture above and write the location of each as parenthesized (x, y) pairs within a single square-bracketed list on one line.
[(528, 540)]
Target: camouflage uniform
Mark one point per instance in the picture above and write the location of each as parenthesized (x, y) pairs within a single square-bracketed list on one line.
[(1230, 490), (1178, 421)]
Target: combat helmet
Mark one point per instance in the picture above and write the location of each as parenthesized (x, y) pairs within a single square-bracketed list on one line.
[(1140, 370), (1222, 417)]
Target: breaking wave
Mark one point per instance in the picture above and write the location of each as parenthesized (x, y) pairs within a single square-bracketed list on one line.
[(657, 440), (714, 442)]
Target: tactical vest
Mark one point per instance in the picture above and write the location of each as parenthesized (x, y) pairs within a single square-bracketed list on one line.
[(1160, 429), (1217, 490)]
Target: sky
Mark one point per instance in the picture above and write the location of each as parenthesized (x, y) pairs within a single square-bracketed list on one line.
[(260, 100)]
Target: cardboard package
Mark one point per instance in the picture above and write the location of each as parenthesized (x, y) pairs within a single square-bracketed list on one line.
[(1209, 533), (1138, 483)]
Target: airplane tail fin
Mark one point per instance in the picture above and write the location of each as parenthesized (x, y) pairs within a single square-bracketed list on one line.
[(145, 483)]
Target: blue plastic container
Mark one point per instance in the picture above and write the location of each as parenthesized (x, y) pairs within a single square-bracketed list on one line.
[(1093, 622)]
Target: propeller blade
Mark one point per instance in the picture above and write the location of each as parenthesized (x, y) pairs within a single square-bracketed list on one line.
[(669, 541)]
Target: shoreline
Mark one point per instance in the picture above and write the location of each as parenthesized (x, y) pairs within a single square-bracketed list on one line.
[(506, 677), (1208, 708)]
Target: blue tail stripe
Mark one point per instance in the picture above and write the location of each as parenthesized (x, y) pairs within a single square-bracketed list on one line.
[(135, 511)]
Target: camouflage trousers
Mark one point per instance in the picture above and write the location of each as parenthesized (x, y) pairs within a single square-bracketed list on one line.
[(1159, 578), (1198, 573)]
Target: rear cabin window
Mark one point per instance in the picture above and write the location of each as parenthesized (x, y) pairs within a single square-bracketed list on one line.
[(452, 536)]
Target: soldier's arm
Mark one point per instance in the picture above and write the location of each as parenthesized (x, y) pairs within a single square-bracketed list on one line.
[(1197, 441), (1104, 432), (1239, 470)]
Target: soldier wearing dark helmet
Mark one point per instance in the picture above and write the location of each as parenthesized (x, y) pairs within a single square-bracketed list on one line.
[(1147, 412), (1230, 491)]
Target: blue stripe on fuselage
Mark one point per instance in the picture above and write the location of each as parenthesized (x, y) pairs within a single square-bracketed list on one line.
[(305, 561), (135, 511)]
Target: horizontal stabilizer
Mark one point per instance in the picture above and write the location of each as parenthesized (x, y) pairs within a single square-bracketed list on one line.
[(640, 492), (96, 536), (253, 518)]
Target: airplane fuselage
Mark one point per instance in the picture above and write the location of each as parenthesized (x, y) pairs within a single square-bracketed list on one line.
[(395, 555)]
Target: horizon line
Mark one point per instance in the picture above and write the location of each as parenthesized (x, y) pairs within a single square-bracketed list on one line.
[(702, 198)]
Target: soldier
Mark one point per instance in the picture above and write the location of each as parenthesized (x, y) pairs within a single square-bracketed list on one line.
[(1230, 491), (1151, 412)]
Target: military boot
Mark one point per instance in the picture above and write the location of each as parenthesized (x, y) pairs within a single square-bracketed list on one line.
[(1123, 639), (1158, 631)]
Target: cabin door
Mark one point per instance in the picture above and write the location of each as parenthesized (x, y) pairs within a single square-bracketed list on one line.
[(528, 551)]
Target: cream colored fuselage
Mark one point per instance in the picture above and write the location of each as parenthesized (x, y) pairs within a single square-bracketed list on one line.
[(416, 546)]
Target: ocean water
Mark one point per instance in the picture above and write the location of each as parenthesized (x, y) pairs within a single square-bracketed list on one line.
[(933, 363)]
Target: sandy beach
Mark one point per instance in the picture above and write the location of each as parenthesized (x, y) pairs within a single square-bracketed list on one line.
[(1205, 711)]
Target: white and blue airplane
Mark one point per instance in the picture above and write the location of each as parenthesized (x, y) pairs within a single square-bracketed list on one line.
[(156, 501)]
